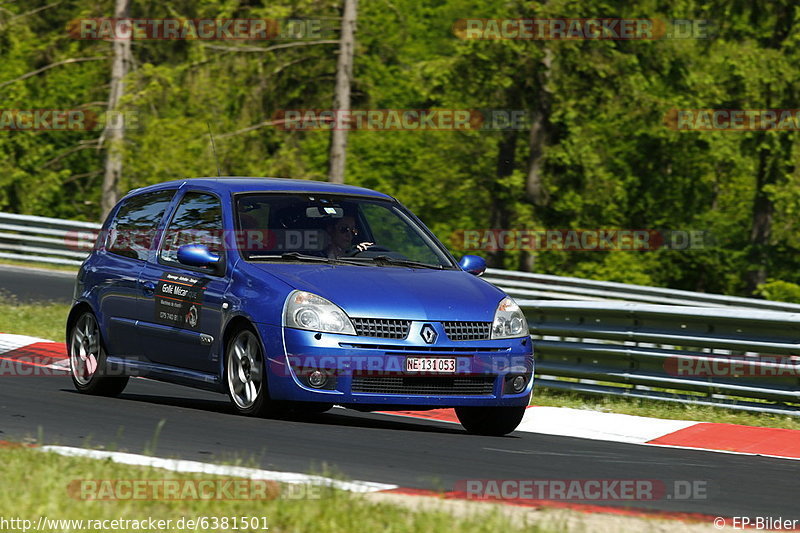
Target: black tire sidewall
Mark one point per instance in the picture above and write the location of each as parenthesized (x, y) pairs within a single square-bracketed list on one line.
[(262, 404), (490, 421), (99, 383)]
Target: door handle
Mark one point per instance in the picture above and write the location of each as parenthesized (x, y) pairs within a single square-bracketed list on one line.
[(148, 287)]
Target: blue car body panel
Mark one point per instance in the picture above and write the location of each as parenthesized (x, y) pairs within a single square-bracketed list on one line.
[(121, 291)]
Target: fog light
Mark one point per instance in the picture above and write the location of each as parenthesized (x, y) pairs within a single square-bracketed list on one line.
[(518, 384), (317, 379)]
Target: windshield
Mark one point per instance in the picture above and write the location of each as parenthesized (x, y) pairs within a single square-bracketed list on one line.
[(333, 229)]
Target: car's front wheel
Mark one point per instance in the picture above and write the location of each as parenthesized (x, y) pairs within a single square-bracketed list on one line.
[(87, 359), (494, 421), (245, 375)]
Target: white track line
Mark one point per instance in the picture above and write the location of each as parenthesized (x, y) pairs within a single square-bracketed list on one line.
[(196, 467)]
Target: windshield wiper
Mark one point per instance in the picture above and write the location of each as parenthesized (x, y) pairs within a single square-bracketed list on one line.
[(294, 256), (386, 260), (297, 256)]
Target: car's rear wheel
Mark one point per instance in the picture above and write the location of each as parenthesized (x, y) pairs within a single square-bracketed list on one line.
[(494, 421), (87, 359), (245, 375)]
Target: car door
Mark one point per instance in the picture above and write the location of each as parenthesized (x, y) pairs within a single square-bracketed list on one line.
[(180, 312), (114, 269)]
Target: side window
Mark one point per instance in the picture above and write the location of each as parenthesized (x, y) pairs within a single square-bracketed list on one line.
[(197, 220), (131, 232)]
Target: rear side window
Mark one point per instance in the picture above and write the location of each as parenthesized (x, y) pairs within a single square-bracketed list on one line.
[(131, 232), (197, 220)]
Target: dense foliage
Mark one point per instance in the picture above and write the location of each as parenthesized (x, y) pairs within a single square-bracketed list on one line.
[(608, 158)]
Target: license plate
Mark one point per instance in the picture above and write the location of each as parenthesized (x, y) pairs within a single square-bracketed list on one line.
[(431, 364)]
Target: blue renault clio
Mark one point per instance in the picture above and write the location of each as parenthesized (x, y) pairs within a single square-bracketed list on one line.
[(293, 296)]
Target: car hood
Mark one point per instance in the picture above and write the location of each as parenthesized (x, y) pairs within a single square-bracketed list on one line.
[(394, 292)]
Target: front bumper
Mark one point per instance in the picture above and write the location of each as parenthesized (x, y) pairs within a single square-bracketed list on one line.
[(365, 371)]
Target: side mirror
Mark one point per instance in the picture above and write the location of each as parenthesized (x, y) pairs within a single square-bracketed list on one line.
[(473, 264), (197, 255)]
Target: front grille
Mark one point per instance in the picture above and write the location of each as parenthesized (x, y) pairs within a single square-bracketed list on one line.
[(386, 328), (427, 385), (467, 331)]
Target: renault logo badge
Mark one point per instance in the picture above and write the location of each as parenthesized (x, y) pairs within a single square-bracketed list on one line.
[(428, 334)]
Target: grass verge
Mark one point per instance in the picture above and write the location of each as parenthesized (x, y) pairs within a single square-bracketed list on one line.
[(54, 493), (38, 320)]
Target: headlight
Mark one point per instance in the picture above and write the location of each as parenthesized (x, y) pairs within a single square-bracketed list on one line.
[(304, 310), (509, 321)]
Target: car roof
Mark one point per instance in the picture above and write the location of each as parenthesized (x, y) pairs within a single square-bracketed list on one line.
[(237, 184)]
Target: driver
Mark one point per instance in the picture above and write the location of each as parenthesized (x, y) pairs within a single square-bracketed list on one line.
[(341, 232)]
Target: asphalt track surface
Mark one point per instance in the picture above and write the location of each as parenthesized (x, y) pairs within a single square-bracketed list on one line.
[(376, 447), (26, 285)]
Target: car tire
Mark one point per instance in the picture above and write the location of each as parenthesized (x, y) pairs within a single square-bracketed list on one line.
[(246, 378), (493, 421), (87, 359)]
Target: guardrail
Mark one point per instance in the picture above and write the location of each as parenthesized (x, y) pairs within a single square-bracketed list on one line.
[(45, 240), (528, 286), (712, 356)]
